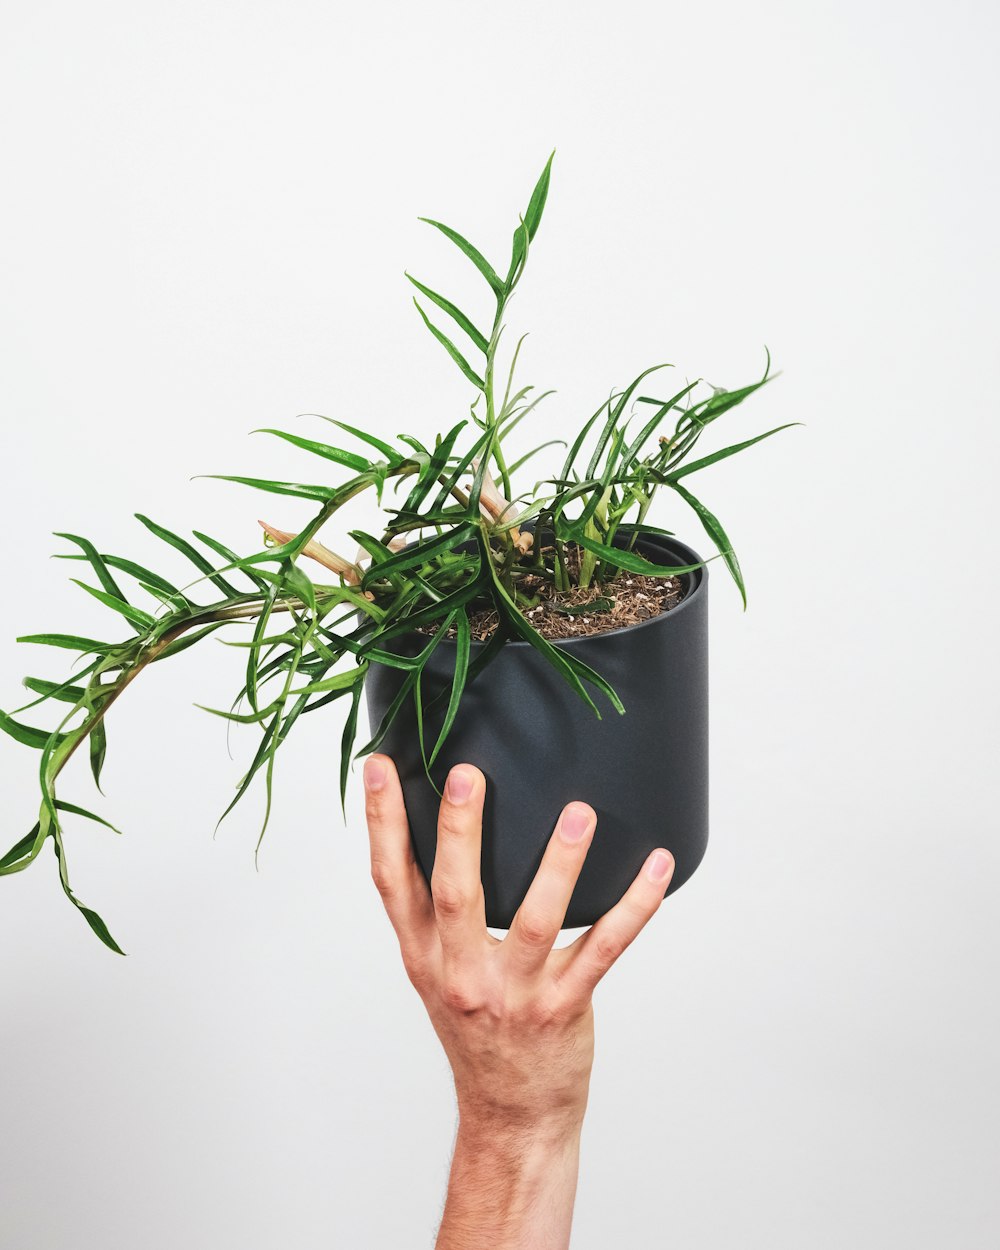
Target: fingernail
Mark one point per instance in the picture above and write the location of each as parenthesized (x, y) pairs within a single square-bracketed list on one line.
[(574, 823), (460, 783), (375, 773), (660, 866)]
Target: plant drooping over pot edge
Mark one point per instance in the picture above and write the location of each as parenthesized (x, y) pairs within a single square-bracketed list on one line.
[(458, 535)]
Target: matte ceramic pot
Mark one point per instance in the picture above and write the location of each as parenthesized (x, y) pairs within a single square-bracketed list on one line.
[(645, 773)]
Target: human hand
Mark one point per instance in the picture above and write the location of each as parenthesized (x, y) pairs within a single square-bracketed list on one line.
[(514, 1016)]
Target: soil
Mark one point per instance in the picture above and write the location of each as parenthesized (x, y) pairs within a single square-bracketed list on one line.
[(628, 600)]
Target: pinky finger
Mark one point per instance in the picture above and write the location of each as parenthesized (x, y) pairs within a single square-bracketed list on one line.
[(590, 956)]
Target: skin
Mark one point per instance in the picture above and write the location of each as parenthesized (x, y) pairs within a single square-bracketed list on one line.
[(515, 1017)]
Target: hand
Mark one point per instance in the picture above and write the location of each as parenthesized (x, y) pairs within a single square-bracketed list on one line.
[(514, 1016)]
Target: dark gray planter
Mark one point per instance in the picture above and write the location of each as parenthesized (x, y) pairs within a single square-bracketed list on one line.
[(644, 773)]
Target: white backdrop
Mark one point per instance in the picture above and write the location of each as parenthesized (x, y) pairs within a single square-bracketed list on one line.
[(207, 210)]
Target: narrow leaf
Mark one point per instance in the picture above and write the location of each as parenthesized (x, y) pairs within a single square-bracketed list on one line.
[(451, 349), (705, 461), (718, 535), (463, 647), (348, 458), (473, 253), (297, 490), (68, 642), (456, 314), (97, 563), (192, 553), (421, 552), (621, 558), (533, 217), (141, 620), (63, 806), (27, 735), (18, 852)]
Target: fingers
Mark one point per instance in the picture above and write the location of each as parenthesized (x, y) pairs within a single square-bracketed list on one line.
[(539, 918), (395, 871), (591, 955), (456, 882)]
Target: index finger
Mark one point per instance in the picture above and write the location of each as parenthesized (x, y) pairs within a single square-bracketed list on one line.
[(395, 871)]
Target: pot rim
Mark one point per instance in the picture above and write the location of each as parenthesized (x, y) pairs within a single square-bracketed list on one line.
[(700, 574)]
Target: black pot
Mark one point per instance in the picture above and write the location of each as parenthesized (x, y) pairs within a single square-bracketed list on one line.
[(540, 746)]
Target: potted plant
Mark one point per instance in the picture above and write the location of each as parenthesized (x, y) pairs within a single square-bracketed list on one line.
[(542, 628)]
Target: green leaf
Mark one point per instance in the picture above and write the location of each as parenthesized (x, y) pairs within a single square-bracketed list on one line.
[(142, 575), (578, 442), (718, 536), (473, 253), (91, 916), (297, 490), (63, 806), (456, 314), (433, 469), (240, 718), (632, 451), (358, 463), (509, 611), (258, 760), (586, 673), (97, 563), (68, 642), (621, 558), (615, 414), (405, 688), (347, 740), (141, 620), (27, 735), (421, 552), (463, 647), (553, 442), (705, 461), (399, 698), (584, 609), (98, 751), (301, 586), (722, 401), (451, 349), (461, 466), (98, 926), (390, 453), (230, 557), (533, 217), (188, 640), (192, 554), (430, 613), (518, 257), (339, 681), (20, 854), (61, 691)]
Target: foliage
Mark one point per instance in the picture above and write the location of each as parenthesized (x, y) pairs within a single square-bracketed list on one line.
[(457, 535)]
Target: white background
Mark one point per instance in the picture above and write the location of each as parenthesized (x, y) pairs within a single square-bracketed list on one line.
[(207, 209)]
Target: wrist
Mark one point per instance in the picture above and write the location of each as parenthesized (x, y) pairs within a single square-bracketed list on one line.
[(487, 1123)]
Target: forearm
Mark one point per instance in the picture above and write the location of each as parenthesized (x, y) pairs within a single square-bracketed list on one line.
[(511, 1189)]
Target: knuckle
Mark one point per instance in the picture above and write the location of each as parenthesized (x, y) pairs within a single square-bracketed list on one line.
[(609, 946), (533, 931), (450, 900), (417, 967), (458, 997), (374, 808), (384, 878), (451, 823), (543, 1014)]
